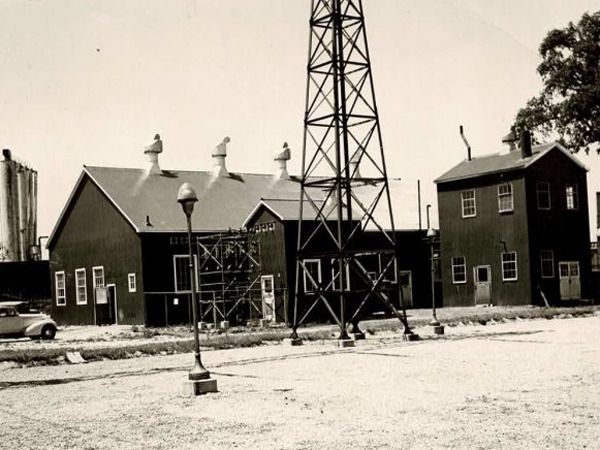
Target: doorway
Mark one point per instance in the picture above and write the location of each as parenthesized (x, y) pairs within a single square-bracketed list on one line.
[(268, 297), (483, 285), (406, 287), (570, 283)]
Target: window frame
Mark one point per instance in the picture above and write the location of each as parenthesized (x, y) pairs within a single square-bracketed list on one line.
[(454, 272), (550, 259), (572, 198), (505, 269), (504, 195), (183, 291), (64, 288), (319, 273), (81, 296), (334, 279), (538, 192), (94, 284), (132, 287), (465, 206)]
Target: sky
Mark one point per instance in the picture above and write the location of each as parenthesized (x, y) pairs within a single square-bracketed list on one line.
[(91, 82)]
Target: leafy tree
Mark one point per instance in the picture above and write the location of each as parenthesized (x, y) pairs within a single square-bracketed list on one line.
[(569, 103)]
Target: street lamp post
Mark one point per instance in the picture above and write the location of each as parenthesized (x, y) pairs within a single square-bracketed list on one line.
[(199, 377)]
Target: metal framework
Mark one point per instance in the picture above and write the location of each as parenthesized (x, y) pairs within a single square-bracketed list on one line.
[(344, 184), (228, 274)]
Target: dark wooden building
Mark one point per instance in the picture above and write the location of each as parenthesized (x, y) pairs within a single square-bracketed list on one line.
[(119, 251), (515, 226)]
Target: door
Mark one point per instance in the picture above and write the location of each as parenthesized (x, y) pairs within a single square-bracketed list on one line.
[(268, 297), (483, 285), (112, 304), (406, 287), (570, 283)]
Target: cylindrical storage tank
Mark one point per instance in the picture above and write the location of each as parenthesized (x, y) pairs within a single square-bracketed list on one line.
[(7, 228), (14, 195), (22, 189), (33, 217)]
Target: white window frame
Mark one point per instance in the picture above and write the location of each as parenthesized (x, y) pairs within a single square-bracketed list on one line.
[(335, 277), (454, 272), (466, 204), (131, 282), (394, 277), (307, 282), (60, 276), (505, 267), (572, 197), (507, 197), (95, 284), (546, 258), (175, 257), (546, 192), (81, 297)]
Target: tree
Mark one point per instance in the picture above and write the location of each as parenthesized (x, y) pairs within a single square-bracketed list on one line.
[(569, 103)]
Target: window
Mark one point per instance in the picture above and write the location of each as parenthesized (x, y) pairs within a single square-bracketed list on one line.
[(547, 261), (505, 198), (543, 195), (131, 282), (98, 273), (335, 274), (181, 267), (61, 292), (392, 272), (468, 204), (313, 267), (509, 266), (572, 198), (80, 287), (595, 257), (459, 270)]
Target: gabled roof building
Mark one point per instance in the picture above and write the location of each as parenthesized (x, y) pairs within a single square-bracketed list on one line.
[(514, 228)]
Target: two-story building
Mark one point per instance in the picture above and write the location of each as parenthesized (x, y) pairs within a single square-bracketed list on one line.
[(514, 227)]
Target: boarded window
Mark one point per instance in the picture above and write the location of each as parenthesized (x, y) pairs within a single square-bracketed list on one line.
[(509, 266), (505, 198), (468, 204), (543, 195), (459, 270), (547, 261), (80, 287), (572, 197), (131, 282), (61, 292)]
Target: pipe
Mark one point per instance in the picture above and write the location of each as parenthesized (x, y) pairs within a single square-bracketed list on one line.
[(419, 200), (462, 135)]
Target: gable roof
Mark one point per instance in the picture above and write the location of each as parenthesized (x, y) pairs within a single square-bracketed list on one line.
[(149, 202), (501, 162)]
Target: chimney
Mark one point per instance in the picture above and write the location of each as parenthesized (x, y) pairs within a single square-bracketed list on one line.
[(525, 144), (7, 155), (219, 154), (462, 135), (510, 140), (151, 151), (354, 165), (281, 158)]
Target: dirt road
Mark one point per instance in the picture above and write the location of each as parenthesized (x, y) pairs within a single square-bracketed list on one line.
[(519, 385)]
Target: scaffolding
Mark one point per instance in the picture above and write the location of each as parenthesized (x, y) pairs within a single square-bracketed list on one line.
[(228, 277)]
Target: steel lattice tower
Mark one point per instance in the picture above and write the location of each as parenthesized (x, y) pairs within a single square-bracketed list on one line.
[(344, 184)]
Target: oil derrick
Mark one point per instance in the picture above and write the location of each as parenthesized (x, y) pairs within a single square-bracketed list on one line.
[(344, 183)]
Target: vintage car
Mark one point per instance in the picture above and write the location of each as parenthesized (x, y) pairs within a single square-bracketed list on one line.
[(17, 324)]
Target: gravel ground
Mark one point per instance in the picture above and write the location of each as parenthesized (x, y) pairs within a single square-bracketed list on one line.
[(517, 385)]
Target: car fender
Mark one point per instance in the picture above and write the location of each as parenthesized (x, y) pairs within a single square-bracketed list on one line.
[(35, 329)]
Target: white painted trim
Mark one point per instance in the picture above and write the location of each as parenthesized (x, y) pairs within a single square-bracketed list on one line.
[(304, 261), (175, 273), (516, 277), (131, 276), (62, 272), (77, 286), (94, 285)]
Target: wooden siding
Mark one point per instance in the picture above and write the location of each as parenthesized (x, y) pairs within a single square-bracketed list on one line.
[(483, 238), (94, 233), (565, 232)]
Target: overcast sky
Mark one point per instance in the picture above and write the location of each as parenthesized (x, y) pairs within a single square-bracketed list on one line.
[(91, 82)]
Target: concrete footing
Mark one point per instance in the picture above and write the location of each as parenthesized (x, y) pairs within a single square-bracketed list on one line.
[(410, 337), (292, 341), (263, 323), (224, 325), (343, 343), (201, 326), (358, 336), (438, 329), (198, 387)]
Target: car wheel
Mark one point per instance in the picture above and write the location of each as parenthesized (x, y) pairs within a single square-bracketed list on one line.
[(48, 332)]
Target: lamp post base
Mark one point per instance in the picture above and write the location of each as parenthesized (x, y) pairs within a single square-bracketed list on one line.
[(292, 341), (343, 343), (409, 337), (191, 388), (438, 329)]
